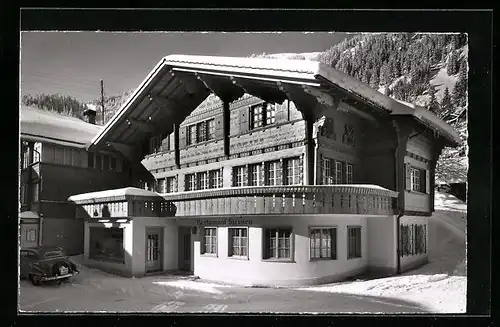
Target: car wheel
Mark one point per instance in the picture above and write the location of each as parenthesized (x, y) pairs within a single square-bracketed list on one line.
[(35, 279)]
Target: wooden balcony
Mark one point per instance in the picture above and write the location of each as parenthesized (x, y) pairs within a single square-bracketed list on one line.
[(285, 200)]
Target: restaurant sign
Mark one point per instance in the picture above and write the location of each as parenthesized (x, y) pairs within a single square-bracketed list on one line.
[(224, 222)]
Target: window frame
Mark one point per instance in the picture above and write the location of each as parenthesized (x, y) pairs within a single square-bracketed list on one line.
[(266, 251), (239, 173), (231, 246), (254, 176), (339, 166), (170, 188), (210, 128), (355, 255), (267, 172), (190, 185), (215, 178), (202, 180), (349, 175), (293, 171), (30, 232), (333, 242), (203, 247)]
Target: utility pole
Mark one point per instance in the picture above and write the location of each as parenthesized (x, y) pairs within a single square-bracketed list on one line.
[(102, 100)]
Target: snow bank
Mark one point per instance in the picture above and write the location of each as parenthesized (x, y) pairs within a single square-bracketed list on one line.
[(441, 285)]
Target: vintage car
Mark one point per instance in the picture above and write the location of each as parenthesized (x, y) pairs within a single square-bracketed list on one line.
[(42, 264)]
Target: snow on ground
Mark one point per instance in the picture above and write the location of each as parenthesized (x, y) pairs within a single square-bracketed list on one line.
[(441, 285)]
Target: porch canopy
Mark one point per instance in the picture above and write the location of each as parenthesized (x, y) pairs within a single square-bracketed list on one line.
[(179, 83)]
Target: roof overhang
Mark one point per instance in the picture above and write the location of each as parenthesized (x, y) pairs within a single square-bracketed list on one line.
[(179, 83)]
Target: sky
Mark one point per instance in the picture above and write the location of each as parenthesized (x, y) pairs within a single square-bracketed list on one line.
[(73, 63)]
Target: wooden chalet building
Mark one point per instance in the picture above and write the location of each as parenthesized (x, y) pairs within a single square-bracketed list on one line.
[(269, 172)]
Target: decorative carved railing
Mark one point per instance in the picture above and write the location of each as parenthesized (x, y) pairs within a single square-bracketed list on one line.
[(271, 200)]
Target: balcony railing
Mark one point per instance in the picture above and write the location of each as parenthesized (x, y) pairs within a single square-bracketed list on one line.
[(288, 200)]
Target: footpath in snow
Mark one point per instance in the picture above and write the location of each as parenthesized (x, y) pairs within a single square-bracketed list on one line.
[(441, 285)]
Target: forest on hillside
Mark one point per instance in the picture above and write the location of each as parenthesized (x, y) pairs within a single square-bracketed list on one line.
[(429, 70)]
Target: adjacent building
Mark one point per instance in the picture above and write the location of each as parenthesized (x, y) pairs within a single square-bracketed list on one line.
[(55, 164), (264, 172)]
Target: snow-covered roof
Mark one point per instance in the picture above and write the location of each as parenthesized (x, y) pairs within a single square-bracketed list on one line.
[(29, 215), (45, 126), (121, 192), (267, 72)]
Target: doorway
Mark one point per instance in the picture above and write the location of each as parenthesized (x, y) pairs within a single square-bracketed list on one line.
[(154, 244), (185, 248)]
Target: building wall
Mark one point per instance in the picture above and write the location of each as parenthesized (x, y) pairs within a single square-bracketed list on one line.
[(301, 270), (382, 242), (413, 261), (168, 248), (65, 232)]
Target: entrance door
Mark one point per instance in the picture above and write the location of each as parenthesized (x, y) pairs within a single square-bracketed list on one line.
[(185, 248), (153, 249)]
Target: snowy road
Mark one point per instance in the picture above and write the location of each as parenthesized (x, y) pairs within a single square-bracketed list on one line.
[(88, 292)]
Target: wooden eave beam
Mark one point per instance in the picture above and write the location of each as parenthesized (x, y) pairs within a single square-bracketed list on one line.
[(146, 126), (228, 94)]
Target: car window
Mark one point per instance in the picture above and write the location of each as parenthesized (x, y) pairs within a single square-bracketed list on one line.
[(52, 254)]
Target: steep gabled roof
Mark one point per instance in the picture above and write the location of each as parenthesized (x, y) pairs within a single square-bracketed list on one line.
[(255, 74), (44, 126)]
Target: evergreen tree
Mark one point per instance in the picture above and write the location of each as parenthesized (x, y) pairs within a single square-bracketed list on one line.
[(433, 104), (452, 68), (446, 103), (459, 93)]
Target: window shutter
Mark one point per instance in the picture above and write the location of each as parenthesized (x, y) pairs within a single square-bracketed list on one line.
[(408, 176), (301, 169), (219, 128), (281, 112), (262, 176), (182, 137), (427, 182), (245, 175), (244, 119)]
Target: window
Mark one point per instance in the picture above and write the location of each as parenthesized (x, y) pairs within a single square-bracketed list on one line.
[(209, 240), (106, 244), (26, 160), (338, 172), (162, 185), (254, 174), (215, 178), (353, 242), (203, 181), (31, 235), (273, 172), (278, 243), (349, 174), (348, 136), (270, 113), (418, 180), (37, 151), (323, 243), (90, 160), (170, 184), (22, 195), (239, 176), (256, 116), (190, 182), (210, 129), (155, 144), (201, 131), (326, 171), (105, 162), (98, 162), (191, 135), (262, 115), (112, 164), (238, 240), (293, 171), (413, 239)]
